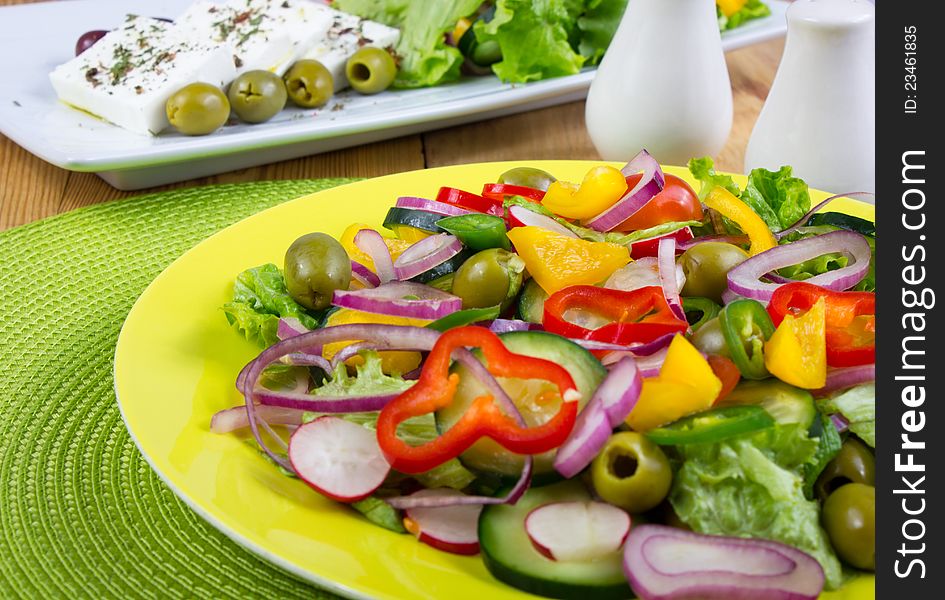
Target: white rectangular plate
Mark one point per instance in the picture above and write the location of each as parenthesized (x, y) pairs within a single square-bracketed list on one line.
[(34, 38)]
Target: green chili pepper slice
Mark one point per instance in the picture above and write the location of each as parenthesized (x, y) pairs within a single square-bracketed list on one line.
[(712, 426), (746, 327), (699, 310), (461, 318), (477, 231)]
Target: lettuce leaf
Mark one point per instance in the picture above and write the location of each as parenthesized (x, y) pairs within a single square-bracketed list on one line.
[(379, 512), (703, 169), (368, 379), (777, 196), (753, 486), (388, 12), (598, 25), (814, 266), (753, 9), (425, 59), (858, 406), (260, 298), (828, 445), (535, 37)]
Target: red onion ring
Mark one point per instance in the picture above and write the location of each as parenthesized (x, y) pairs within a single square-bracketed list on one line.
[(440, 208), (506, 325), (400, 299), (236, 418), (519, 216), (426, 254), (290, 327), (840, 422), (650, 184), (743, 279), (666, 255), (372, 243), (323, 404), (867, 197), (364, 275), (847, 377), (737, 240)]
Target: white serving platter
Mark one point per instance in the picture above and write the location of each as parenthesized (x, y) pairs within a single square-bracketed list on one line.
[(34, 38)]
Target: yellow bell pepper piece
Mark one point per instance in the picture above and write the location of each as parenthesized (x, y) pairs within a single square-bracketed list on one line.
[(396, 246), (601, 188), (748, 220), (392, 361), (686, 385), (797, 351), (558, 261), (730, 7)]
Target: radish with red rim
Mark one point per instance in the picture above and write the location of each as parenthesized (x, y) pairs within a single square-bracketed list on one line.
[(340, 459), (666, 563), (451, 528), (577, 531)]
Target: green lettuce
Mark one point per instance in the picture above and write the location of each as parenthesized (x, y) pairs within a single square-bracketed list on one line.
[(828, 445), (814, 266), (388, 12), (753, 9), (753, 486), (425, 59), (598, 25), (858, 406), (379, 512), (777, 196), (368, 379), (260, 299), (535, 37)]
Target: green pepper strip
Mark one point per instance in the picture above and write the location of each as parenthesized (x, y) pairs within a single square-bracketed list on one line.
[(712, 426), (465, 317), (702, 306), (478, 231), (746, 327)]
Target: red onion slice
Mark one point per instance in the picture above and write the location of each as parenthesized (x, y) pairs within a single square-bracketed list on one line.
[(840, 422), (674, 564), (372, 243), (364, 275), (650, 184), (322, 404), (847, 377), (426, 254), (440, 208), (666, 255), (506, 325), (743, 279), (400, 299), (738, 240), (611, 403), (236, 418), (290, 327), (867, 197), (519, 216)]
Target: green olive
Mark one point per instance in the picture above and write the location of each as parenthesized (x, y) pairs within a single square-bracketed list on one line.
[(257, 96), (849, 517), (631, 472), (371, 70), (529, 177), (489, 278), (709, 339), (309, 84), (315, 266), (706, 266), (854, 463), (197, 109)]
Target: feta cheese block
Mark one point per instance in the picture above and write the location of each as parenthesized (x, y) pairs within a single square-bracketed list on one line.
[(261, 34), (128, 75), (348, 33)]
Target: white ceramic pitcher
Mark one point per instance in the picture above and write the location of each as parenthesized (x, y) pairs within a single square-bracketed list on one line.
[(820, 114), (663, 84)]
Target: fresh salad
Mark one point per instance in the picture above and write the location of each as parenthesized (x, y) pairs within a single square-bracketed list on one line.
[(604, 387), (518, 40)]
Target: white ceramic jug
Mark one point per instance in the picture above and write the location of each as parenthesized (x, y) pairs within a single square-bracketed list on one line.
[(663, 84), (820, 114)]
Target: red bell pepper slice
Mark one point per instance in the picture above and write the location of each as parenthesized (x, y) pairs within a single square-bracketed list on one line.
[(650, 247), (498, 191), (484, 418), (637, 316), (470, 201), (850, 320)]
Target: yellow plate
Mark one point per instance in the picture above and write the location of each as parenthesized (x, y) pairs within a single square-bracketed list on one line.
[(175, 366)]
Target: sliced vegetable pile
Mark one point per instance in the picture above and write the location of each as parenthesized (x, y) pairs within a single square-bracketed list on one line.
[(603, 387)]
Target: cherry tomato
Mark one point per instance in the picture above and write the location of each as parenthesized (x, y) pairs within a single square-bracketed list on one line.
[(726, 370), (677, 202)]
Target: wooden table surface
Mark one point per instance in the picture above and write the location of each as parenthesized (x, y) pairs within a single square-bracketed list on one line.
[(32, 189)]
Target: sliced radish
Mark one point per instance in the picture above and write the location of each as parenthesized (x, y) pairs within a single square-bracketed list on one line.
[(452, 529), (340, 459), (577, 531), (520, 216)]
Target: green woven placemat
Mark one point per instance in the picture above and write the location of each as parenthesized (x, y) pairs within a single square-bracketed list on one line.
[(82, 515)]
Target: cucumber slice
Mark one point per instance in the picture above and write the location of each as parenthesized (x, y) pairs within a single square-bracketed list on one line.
[(509, 555), (407, 217), (785, 403), (531, 304), (488, 456)]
